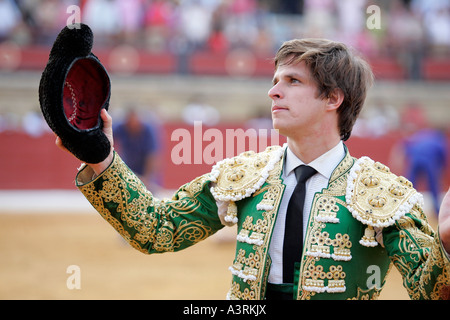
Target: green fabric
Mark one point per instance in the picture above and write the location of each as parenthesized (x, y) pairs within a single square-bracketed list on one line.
[(283, 287), (149, 224), (154, 226)]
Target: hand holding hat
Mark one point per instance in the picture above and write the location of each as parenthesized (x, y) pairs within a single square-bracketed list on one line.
[(73, 90), (107, 130)]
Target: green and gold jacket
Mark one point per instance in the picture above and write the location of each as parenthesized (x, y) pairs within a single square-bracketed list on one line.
[(365, 221)]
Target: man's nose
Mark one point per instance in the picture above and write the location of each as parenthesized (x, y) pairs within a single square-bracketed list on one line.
[(275, 92)]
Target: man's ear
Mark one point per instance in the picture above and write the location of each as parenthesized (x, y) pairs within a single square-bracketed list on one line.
[(335, 99)]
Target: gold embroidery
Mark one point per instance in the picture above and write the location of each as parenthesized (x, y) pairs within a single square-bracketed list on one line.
[(419, 255), (370, 294), (246, 268), (368, 239), (239, 177), (150, 224), (321, 243), (251, 265), (327, 210), (232, 212), (271, 193), (137, 213), (315, 278), (235, 293), (376, 197), (342, 245)]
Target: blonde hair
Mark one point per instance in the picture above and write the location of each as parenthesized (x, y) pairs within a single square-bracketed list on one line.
[(333, 66)]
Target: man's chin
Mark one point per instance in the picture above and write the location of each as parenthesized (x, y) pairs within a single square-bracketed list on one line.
[(277, 126)]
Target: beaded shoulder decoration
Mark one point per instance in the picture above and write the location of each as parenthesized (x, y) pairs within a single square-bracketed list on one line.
[(377, 197), (239, 177)]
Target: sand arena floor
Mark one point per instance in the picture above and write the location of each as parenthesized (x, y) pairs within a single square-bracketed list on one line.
[(37, 249)]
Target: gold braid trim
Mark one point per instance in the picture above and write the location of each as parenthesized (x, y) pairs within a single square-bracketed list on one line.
[(148, 224), (378, 198)]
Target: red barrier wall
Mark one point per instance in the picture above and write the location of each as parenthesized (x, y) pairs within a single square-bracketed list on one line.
[(36, 163)]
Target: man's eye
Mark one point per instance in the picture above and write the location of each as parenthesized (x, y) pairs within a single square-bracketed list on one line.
[(295, 80)]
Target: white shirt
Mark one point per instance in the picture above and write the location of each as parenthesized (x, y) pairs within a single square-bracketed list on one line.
[(324, 165)]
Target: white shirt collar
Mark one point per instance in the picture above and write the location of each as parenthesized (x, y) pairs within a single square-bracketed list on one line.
[(325, 164)]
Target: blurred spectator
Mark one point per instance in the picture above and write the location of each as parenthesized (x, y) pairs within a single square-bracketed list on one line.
[(131, 19), (104, 18), (157, 21), (139, 145), (10, 18), (406, 38), (319, 18), (422, 154), (351, 20), (438, 27), (426, 152), (50, 17), (241, 27), (195, 23), (218, 41), (436, 17)]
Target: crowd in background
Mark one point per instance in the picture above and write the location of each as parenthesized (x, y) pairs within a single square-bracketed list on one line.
[(219, 25), (408, 31)]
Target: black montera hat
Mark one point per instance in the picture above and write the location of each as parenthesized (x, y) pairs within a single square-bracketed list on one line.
[(74, 88)]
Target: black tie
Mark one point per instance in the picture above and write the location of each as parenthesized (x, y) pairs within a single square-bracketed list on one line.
[(293, 234)]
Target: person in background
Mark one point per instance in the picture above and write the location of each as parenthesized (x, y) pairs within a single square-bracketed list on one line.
[(426, 153), (422, 152), (139, 145)]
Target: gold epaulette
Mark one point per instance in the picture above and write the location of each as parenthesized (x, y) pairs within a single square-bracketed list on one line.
[(239, 177), (377, 197)]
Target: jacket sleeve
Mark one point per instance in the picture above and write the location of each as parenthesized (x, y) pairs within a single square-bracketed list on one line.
[(150, 225), (418, 254)]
